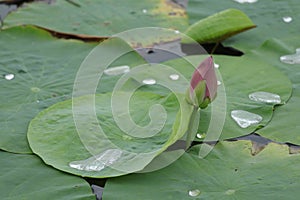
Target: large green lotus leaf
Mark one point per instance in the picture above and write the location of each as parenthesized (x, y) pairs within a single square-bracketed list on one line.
[(284, 126), (37, 71), (100, 18), (219, 26), (26, 177), (240, 76), (266, 14), (228, 172), (52, 134)]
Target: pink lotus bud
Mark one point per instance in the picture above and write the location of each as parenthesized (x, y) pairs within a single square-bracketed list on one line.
[(203, 86)]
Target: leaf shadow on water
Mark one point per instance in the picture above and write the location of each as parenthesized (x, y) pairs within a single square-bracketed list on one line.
[(5, 9), (97, 186), (174, 49)]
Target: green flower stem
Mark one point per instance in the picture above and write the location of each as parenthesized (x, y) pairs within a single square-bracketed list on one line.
[(193, 126)]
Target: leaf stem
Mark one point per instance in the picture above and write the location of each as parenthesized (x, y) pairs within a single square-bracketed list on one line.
[(215, 48), (193, 126)]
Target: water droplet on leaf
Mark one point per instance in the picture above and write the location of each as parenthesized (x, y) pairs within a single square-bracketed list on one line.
[(149, 81), (216, 65), (114, 71), (97, 162), (230, 192), (194, 193), (144, 11), (219, 82), (291, 59), (35, 89), (244, 118), (126, 137), (200, 136), (245, 1), (176, 31), (265, 97), (287, 19), (174, 77), (9, 77)]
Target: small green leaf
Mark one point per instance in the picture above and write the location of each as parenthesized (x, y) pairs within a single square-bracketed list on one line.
[(196, 96), (266, 14), (219, 26)]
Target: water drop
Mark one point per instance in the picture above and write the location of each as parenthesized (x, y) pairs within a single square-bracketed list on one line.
[(230, 192), (287, 19), (200, 136), (245, 1), (244, 118), (97, 162), (149, 81), (37, 101), (265, 97), (291, 59), (219, 82), (144, 11), (35, 89), (176, 31), (126, 137), (174, 77), (216, 65), (9, 77), (114, 71), (194, 193)]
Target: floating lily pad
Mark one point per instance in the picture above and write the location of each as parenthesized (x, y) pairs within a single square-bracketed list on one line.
[(37, 71), (109, 150), (228, 172), (26, 177), (241, 76), (284, 126), (100, 18), (266, 14), (219, 26)]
